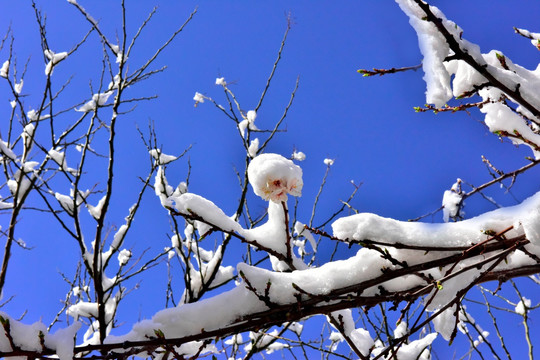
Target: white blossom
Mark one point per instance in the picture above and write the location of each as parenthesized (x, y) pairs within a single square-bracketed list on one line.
[(273, 177)]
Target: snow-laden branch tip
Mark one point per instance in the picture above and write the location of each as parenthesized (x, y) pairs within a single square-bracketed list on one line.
[(248, 122), (221, 81), (161, 158), (299, 156), (199, 98), (253, 147), (97, 100), (4, 70), (5, 150), (18, 86), (54, 58), (451, 201)]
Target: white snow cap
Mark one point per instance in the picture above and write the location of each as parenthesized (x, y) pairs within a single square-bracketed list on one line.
[(5, 69), (54, 58), (329, 162), (251, 116), (434, 48), (298, 155), (451, 200), (221, 81), (273, 177), (253, 147)]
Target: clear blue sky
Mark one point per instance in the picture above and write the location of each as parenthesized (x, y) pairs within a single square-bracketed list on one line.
[(404, 159)]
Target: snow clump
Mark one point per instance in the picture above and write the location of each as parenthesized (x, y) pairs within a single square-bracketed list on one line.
[(4, 71), (299, 155), (451, 201), (199, 98), (329, 162), (273, 177), (523, 306)]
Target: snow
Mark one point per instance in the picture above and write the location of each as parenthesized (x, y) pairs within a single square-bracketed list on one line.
[(272, 235), (221, 81), (300, 230), (28, 139), (444, 323), (400, 330), (296, 327), (434, 48), (335, 337), (273, 177), (523, 306), (500, 118), (463, 233), (242, 126), (363, 340), (248, 122), (328, 162), (83, 309), (54, 58), (95, 211), (27, 337), (18, 86), (531, 226), (97, 100), (416, 350), (120, 56), (253, 147), (161, 158), (189, 203), (5, 205), (298, 155), (199, 98), (119, 236), (235, 339), (4, 71), (66, 202), (251, 116), (162, 188), (63, 340), (451, 201), (123, 257), (6, 150)]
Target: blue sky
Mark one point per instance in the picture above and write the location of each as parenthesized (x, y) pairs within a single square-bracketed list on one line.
[(404, 160)]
